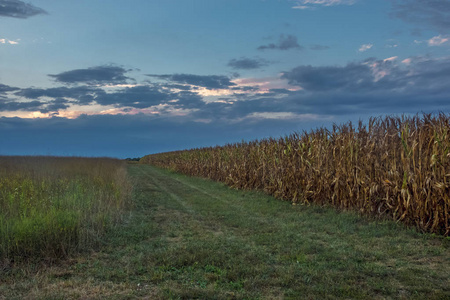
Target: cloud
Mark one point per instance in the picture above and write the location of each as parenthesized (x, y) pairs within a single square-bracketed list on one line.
[(55, 105), (6, 88), (206, 81), (329, 77), (365, 47), (6, 41), (308, 4), (73, 101), (391, 43), (284, 43), (19, 9), (330, 94), (81, 94), (32, 106), (178, 86), (418, 75), (368, 87), (93, 75), (438, 40), (15, 106), (141, 96), (319, 47), (301, 7), (392, 58), (138, 97), (245, 63), (429, 13)]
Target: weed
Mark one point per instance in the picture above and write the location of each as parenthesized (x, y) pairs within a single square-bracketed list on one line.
[(51, 207)]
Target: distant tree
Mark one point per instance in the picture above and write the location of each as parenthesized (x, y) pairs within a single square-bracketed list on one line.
[(133, 159)]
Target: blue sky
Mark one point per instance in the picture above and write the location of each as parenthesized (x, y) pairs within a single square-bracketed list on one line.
[(129, 78)]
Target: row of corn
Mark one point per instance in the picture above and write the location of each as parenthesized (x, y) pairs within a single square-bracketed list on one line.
[(392, 166)]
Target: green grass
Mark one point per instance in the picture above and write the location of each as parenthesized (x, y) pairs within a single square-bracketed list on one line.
[(190, 238), (51, 207)]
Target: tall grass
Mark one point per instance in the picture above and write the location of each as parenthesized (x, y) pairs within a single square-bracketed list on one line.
[(53, 206), (392, 166)]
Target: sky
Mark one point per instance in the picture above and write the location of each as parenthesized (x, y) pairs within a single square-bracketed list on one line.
[(131, 78)]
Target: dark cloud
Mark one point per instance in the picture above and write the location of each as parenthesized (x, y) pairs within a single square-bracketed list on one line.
[(35, 105), (421, 76), (428, 76), (332, 90), (6, 88), (245, 63), (329, 77), (20, 106), (360, 88), (55, 105), (330, 94), (147, 96), (188, 100), (351, 92), (323, 105), (319, 47), (245, 88), (141, 96), (81, 94), (206, 81), (284, 43), (430, 13), (281, 91), (367, 75), (138, 97), (19, 9), (93, 75)]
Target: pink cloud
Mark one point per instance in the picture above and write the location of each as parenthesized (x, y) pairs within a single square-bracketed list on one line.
[(438, 40), (6, 41), (390, 58), (365, 47), (407, 61)]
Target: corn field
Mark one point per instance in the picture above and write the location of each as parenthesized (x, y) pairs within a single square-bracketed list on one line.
[(397, 167)]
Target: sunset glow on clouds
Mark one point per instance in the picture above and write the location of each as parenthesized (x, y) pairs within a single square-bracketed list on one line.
[(365, 47), (10, 42), (438, 40), (164, 75)]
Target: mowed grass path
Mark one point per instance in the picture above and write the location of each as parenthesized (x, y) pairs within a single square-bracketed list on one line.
[(192, 238)]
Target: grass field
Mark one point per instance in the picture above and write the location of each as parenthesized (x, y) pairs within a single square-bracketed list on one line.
[(51, 207), (191, 238)]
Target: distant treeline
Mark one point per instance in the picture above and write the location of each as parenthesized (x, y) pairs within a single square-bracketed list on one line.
[(133, 159), (393, 166)]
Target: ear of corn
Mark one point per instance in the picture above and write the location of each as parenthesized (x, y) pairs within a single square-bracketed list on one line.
[(392, 166)]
